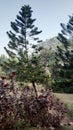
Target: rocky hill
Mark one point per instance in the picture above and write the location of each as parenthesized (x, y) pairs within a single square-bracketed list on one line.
[(51, 43)]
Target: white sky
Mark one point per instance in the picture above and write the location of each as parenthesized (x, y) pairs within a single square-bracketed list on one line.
[(48, 13)]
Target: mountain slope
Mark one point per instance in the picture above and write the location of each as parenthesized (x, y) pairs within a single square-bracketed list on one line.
[(51, 43)]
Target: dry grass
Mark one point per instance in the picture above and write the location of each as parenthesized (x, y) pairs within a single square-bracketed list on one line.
[(66, 98)]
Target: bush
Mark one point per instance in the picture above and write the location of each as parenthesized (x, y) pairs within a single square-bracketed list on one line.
[(25, 110), (45, 111)]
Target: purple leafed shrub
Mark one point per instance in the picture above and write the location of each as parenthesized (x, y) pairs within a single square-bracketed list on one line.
[(45, 110), (8, 102)]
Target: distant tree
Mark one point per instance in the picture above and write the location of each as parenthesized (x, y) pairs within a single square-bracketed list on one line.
[(63, 69), (3, 59), (20, 46)]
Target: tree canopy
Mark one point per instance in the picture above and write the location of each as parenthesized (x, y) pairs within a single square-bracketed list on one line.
[(63, 74), (23, 38)]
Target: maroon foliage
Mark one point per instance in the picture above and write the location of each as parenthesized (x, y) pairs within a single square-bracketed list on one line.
[(23, 106), (46, 110)]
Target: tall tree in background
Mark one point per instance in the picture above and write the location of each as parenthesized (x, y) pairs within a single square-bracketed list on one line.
[(63, 69), (24, 32)]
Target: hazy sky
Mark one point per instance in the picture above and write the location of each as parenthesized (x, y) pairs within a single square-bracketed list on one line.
[(48, 13)]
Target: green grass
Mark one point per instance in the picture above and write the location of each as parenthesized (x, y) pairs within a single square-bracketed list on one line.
[(70, 111)]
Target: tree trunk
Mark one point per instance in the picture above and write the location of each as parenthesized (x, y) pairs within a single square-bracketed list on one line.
[(34, 86)]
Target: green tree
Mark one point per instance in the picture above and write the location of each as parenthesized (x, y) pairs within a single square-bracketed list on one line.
[(63, 69), (3, 59), (22, 46)]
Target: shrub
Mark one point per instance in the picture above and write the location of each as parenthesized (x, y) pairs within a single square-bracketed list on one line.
[(46, 110), (25, 110), (8, 103)]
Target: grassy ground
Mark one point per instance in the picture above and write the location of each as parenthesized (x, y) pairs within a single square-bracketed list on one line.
[(66, 98)]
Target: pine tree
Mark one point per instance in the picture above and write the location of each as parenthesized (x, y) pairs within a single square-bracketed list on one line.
[(24, 33), (63, 69)]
